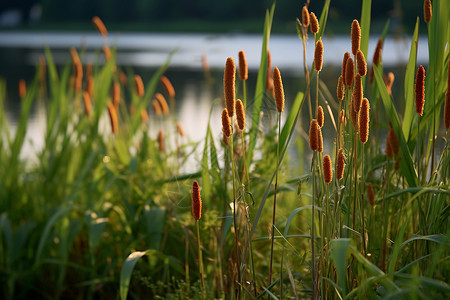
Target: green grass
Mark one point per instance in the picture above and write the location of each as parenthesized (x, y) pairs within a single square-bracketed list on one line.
[(103, 215)]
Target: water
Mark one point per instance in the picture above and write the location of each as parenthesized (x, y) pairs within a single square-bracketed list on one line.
[(19, 52)]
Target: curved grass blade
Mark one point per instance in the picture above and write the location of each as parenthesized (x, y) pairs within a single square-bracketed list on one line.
[(339, 249), (291, 217), (127, 270), (293, 114), (406, 163)]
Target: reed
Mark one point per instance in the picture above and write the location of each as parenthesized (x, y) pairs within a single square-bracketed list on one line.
[(243, 74), (364, 121), (349, 72), (376, 60), (355, 36), (357, 94), (116, 95), (144, 116), (229, 78), (113, 118), (305, 16), (168, 87), (162, 103), (427, 11), (107, 53), (100, 26), (361, 63), (327, 171), (87, 103), (420, 90), (340, 164), (197, 214), (22, 88), (180, 130), (138, 85), (156, 107), (314, 23), (161, 144), (320, 116), (390, 78)]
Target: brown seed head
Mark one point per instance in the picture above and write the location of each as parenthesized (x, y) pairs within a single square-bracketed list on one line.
[(156, 107), (364, 121), (314, 23), (113, 118), (163, 103), (225, 139), (240, 114), (305, 16), (101, 28), (196, 201), (356, 36), (144, 116), (123, 78), (340, 88), (427, 11), (397, 163), (344, 66), (361, 63), (180, 130), (327, 171), (340, 164), (226, 124), (229, 78), (376, 58), (42, 68), (138, 85), (319, 116), (77, 66), (161, 146), (357, 93), (349, 72), (168, 87), (243, 67), (389, 81), (269, 80), (116, 95), (420, 89), (107, 52), (342, 117), (87, 103), (320, 141), (314, 135), (318, 56), (370, 195), (278, 89), (392, 146), (22, 88)]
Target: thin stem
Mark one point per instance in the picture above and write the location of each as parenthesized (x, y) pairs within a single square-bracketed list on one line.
[(275, 198), (312, 224), (362, 201), (236, 233), (200, 260)]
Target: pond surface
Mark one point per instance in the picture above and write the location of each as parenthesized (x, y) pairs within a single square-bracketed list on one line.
[(144, 52)]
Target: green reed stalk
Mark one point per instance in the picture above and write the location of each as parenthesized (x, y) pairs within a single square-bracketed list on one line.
[(236, 233), (275, 197), (362, 202), (200, 259), (313, 170)]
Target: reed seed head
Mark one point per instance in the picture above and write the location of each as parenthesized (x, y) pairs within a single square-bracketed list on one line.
[(116, 95), (278, 89), (356, 36), (107, 53), (370, 195), (168, 87), (87, 103), (226, 124), (101, 28), (240, 114), (161, 146), (144, 116), (364, 121), (314, 135), (229, 78), (156, 107), (376, 59), (397, 163), (427, 11), (357, 94), (138, 85), (361, 63), (320, 141), (344, 65), (243, 67), (342, 119), (77, 67), (180, 130), (420, 90), (318, 56), (22, 88), (225, 139), (319, 116), (113, 118), (305, 16), (327, 171), (163, 103), (392, 146), (389, 82), (90, 86), (340, 164), (196, 201), (349, 72), (314, 23), (269, 80), (340, 88), (42, 68)]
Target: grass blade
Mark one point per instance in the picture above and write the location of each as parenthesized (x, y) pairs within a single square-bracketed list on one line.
[(127, 270), (406, 163), (339, 249)]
